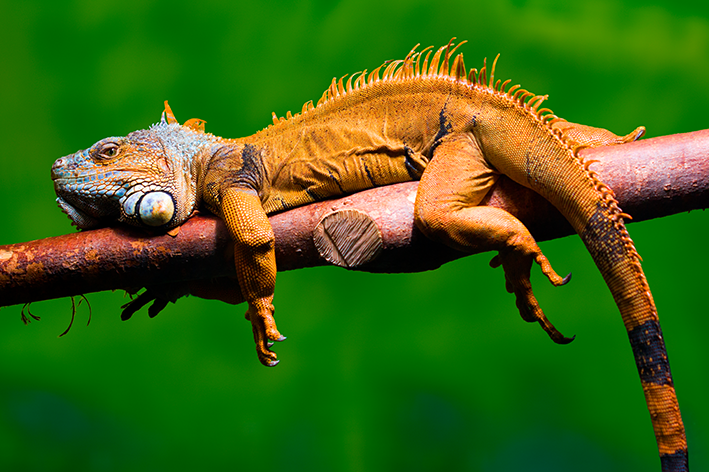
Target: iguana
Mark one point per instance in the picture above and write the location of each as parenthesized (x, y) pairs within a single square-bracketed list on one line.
[(422, 118)]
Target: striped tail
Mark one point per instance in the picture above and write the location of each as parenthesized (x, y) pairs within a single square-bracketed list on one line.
[(612, 250), (563, 178), (589, 205)]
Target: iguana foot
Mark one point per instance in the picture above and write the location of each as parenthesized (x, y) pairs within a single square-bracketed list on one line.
[(517, 264), (265, 331), (160, 295)]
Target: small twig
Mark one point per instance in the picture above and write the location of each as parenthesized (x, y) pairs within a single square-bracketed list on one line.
[(651, 178)]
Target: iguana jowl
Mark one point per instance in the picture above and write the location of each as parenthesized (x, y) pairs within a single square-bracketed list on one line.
[(456, 131)]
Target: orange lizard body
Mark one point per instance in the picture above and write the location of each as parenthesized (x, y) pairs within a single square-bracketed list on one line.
[(456, 131)]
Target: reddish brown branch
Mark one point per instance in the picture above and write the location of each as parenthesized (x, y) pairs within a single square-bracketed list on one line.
[(651, 178)]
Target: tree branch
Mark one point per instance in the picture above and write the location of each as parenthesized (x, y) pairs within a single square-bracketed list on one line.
[(651, 178)]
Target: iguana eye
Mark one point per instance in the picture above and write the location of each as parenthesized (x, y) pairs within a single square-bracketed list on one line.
[(108, 151)]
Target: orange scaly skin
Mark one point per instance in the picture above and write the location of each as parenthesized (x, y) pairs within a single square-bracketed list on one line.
[(456, 131)]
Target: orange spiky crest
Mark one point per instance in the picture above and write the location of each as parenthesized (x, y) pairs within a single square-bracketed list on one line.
[(168, 116), (195, 124), (443, 63)]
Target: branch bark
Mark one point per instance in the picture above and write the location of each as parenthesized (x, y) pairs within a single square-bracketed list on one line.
[(651, 179)]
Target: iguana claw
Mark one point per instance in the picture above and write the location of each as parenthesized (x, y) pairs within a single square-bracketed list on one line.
[(517, 264), (160, 295), (265, 333), (158, 298)]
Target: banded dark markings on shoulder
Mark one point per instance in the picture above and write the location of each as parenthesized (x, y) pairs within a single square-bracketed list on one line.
[(252, 162), (230, 167)]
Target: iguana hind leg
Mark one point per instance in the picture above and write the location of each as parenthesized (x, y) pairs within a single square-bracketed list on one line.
[(453, 184)]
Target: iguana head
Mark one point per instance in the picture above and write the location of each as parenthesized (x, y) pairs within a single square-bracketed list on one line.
[(147, 178)]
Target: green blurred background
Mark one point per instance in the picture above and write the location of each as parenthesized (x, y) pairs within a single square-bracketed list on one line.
[(410, 372)]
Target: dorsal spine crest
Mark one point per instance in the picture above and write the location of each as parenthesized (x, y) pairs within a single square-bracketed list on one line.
[(446, 64)]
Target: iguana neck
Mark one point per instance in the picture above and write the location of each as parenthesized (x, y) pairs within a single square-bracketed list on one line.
[(187, 154), (229, 163)]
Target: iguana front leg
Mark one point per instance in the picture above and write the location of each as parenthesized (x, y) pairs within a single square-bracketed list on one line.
[(255, 260)]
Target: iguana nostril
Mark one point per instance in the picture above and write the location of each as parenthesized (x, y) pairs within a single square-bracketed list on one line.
[(58, 164)]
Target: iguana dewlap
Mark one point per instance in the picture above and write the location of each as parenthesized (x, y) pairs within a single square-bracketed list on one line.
[(456, 131)]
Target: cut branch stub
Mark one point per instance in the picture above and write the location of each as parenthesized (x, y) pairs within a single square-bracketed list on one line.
[(348, 238)]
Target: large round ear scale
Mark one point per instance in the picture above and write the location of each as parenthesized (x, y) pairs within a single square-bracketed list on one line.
[(156, 209)]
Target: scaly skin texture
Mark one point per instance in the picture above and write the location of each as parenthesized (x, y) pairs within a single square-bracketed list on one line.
[(456, 131)]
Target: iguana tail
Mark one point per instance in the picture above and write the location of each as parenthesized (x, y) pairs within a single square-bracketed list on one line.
[(539, 150), (559, 174), (613, 252)]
